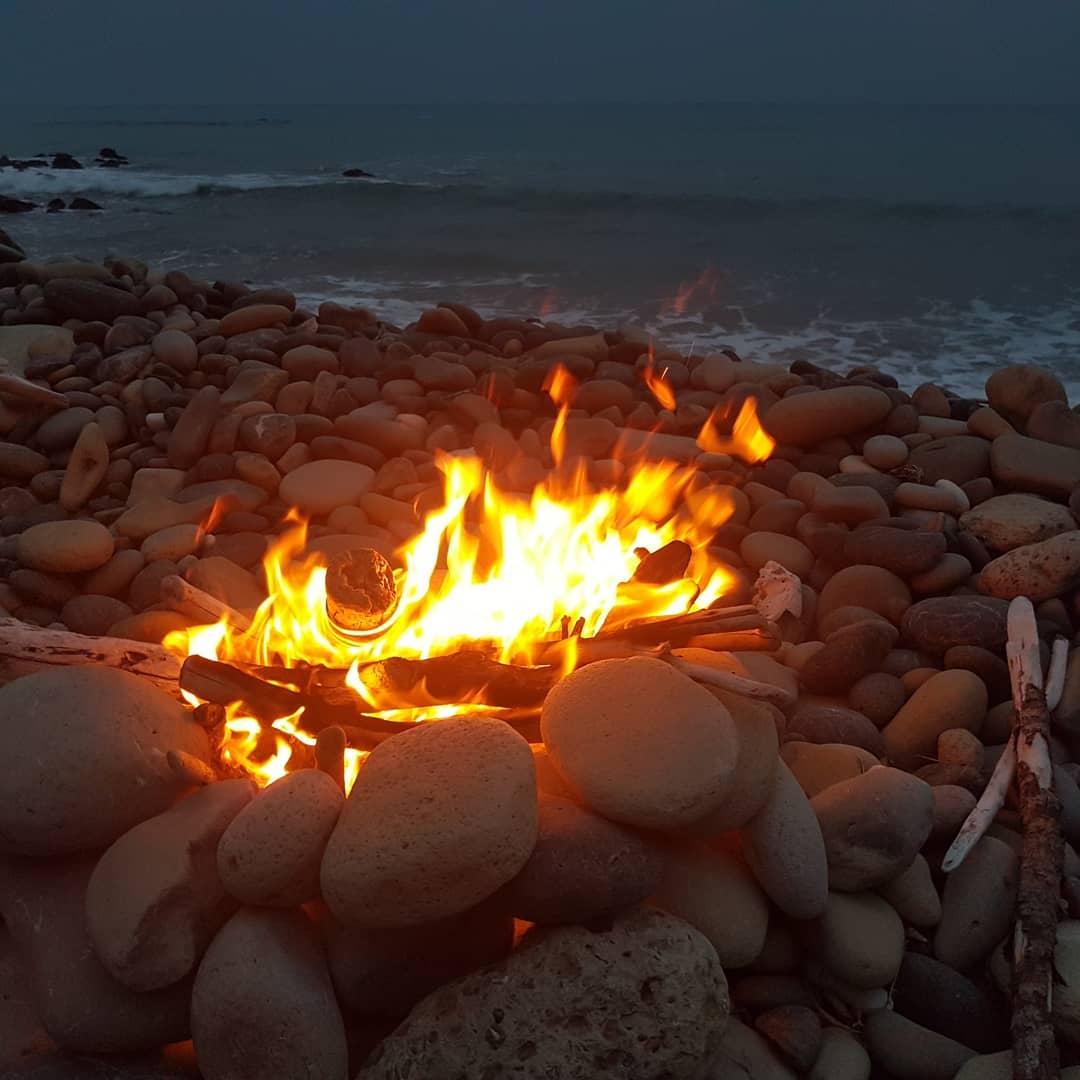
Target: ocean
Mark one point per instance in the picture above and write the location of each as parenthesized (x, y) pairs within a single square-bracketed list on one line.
[(936, 242)]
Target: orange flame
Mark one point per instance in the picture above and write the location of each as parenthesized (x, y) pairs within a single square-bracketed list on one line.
[(657, 383), (748, 439), (493, 570), (703, 288)]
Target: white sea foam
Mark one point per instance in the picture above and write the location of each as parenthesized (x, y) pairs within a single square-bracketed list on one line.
[(46, 183)]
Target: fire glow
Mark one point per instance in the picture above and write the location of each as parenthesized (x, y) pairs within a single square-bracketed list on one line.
[(502, 572)]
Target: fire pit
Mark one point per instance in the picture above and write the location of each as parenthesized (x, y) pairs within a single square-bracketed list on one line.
[(492, 698)]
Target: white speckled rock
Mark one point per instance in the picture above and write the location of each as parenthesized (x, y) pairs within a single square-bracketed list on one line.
[(439, 818), (640, 742), (84, 757), (262, 1004), (155, 899), (645, 998), (1038, 571), (1011, 521), (271, 852), (783, 845)]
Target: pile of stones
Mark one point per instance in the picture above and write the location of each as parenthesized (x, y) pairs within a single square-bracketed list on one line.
[(676, 881)]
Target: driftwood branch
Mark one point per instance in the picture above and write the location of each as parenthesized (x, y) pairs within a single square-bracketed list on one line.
[(25, 649), (1035, 1054), (727, 680), (982, 816)]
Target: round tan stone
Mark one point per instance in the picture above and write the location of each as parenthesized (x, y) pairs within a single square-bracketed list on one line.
[(439, 818), (758, 548), (871, 587), (860, 939), (65, 547), (640, 742), (885, 451), (947, 699), (271, 852), (320, 486), (253, 317)]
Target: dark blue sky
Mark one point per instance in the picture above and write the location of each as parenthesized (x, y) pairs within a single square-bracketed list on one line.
[(348, 51)]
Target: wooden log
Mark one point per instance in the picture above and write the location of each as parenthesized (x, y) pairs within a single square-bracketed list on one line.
[(25, 649), (189, 600), (1035, 1052)]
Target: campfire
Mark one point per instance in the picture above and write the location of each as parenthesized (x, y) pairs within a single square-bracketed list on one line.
[(498, 595)]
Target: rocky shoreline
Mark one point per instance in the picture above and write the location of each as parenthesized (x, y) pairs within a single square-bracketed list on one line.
[(740, 891)]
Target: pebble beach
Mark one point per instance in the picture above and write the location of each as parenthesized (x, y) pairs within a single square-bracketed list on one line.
[(742, 889)]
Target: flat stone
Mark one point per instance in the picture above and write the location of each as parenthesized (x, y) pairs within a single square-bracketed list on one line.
[(190, 436), (253, 317), (959, 458), (808, 419), (567, 999), (60, 430), (949, 699), (254, 381), (19, 462), (848, 655), (817, 766), (1035, 467), (906, 552), (93, 615), (321, 486), (836, 724), (81, 298), (155, 901)]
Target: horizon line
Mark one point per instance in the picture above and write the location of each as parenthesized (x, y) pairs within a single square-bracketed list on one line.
[(666, 103)]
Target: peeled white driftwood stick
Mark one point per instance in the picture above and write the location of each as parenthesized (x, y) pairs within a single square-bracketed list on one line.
[(1035, 1053), (1055, 673), (982, 816), (726, 680), (185, 598)]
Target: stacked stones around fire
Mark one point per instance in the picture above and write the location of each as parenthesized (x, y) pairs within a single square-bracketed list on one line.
[(715, 885)]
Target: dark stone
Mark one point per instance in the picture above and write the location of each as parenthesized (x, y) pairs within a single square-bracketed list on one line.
[(959, 458), (987, 665), (79, 298), (79, 203), (9, 205), (940, 622), (933, 994), (849, 654), (905, 552), (357, 173), (54, 206), (835, 724), (65, 161)]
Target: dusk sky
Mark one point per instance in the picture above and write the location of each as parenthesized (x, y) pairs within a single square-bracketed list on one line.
[(356, 51)]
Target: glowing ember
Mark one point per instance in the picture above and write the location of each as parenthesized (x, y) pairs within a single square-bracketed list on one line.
[(492, 570), (700, 291)]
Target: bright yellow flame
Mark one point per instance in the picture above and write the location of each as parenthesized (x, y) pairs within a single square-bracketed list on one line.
[(748, 439), (498, 571)]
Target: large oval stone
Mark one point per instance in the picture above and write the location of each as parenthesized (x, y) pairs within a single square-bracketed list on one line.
[(940, 622), (321, 486), (640, 742), (65, 547), (811, 418), (263, 1004), (949, 699), (439, 818), (647, 996), (1038, 571), (1011, 521), (84, 758)]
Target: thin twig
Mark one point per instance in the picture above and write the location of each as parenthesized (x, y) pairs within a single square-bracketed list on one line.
[(1055, 673), (982, 816)]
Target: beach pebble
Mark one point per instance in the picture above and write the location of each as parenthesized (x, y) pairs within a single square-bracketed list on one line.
[(1014, 391), (640, 742), (562, 1020), (1066, 999), (1011, 521), (117, 574), (270, 434), (848, 655), (758, 548), (253, 317), (1055, 422), (715, 892), (231, 584), (807, 419), (19, 462), (860, 939), (254, 381), (306, 362), (385, 972), (155, 900), (835, 724), (439, 818), (784, 848), (90, 301), (885, 451), (172, 543), (746, 1055), (263, 1004), (948, 699), (940, 622), (86, 468), (189, 437), (913, 895), (320, 486), (817, 766), (60, 430), (1038, 571), (91, 614), (177, 349), (65, 547), (582, 866), (1033, 466), (872, 826), (106, 733), (841, 1057), (951, 570), (906, 552), (959, 458), (872, 587), (977, 905), (391, 437), (851, 505), (909, 1051), (751, 779), (271, 851), (795, 1032), (81, 1006), (878, 696)]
